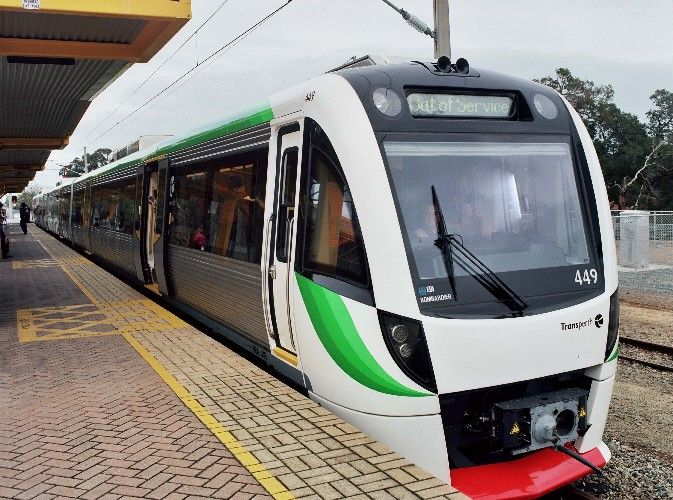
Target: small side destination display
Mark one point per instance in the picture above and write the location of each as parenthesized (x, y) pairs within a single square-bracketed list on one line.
[(460, 105)]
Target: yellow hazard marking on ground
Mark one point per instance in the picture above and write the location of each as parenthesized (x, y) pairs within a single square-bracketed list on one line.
[(32, 264), (142, 314), (109, 318), (247, 459), (91, 320), (60, 323), (48, 262)]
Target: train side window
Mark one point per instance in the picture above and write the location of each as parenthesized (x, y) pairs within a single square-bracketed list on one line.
[(189, 206), (286, 208), (64, 203), (333, 243), (77, 202), (113, 206), (233, 205), (218, 205)]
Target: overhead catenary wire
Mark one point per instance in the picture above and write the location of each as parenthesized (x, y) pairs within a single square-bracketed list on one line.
[(197, 71), (157, 69), (413, 21), (214, 54), (201, 68)]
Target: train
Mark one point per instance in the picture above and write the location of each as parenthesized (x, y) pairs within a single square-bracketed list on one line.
[(425, 248)]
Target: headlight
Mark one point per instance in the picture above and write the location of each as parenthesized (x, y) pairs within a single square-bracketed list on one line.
[(613, 324), (405, 340), (387, 102)]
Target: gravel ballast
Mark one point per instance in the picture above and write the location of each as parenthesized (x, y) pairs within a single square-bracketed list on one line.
[(639, 435)]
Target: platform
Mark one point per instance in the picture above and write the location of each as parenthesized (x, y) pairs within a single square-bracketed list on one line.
[(106, 394)]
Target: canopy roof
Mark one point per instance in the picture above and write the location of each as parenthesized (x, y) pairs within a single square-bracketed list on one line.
[(56, 56)]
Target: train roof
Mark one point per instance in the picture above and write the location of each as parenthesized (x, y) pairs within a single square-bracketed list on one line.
[(427, 74), (426, 77), (393, 75)]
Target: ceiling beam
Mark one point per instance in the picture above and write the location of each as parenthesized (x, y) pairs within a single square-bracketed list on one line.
[(29, 168), (149, 41), (68, 49), (33, 142), (15, 175)]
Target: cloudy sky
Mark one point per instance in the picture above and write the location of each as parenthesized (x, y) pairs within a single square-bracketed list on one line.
[(628, 44)]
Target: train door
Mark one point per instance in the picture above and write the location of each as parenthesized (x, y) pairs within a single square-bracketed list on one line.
[(156, 241), (86, 215), (70, 211), (150, 202), (151, 234), (142, 218), (282, 236)]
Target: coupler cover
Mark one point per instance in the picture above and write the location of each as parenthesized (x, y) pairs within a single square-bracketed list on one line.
[(534, 422)]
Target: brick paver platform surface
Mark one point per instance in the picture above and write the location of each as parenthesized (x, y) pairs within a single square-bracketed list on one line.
[(84, 414)]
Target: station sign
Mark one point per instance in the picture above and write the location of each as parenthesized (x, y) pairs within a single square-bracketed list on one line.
[(31, 4), (460, 105)]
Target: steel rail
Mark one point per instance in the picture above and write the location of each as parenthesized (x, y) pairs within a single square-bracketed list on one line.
[(647, 346), (656, 366), (650, 346)]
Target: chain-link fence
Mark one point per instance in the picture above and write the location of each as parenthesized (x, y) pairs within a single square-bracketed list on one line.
[(645, 250)]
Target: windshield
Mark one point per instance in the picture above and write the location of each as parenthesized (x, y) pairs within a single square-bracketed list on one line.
[(515, 206)]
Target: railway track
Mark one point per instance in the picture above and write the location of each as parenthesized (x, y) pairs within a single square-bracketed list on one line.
[(660, 352)]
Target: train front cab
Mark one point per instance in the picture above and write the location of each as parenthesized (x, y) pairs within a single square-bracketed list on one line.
[(477, 368)]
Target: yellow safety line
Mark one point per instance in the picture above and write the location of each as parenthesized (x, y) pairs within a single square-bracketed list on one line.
[(247, 459), (275, 488)]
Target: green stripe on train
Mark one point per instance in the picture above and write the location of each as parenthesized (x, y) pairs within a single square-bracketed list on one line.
[(336, 330), (615, 353), (233, 124), (247, 120)]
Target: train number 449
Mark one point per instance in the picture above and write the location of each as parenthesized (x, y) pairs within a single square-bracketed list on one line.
[(587, 277)]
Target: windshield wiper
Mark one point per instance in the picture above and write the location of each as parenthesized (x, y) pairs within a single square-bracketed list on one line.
[(453, 250), (443, 242)]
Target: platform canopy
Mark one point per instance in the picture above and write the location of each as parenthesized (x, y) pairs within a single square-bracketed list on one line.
[(56, 56)]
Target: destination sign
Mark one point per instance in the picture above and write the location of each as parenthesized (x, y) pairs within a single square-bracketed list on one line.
[(460, 105)]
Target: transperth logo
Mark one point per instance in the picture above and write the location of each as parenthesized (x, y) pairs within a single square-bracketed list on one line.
[(598, 320), (578, 325)]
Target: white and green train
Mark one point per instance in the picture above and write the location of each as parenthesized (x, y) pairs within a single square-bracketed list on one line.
[(426, 250)]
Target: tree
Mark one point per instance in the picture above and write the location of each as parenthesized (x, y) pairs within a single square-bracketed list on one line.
[(658, 180), (94, 160), (635, 156), (622, 143), (28, 194), (586, 97)]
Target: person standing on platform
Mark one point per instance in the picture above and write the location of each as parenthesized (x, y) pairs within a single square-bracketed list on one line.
[(4, 233), (24, 215)]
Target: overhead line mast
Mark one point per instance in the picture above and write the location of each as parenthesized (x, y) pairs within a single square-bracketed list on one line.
[(442, 31)]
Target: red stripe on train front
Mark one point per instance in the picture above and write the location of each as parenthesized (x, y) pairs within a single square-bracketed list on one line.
[(529, 477)]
